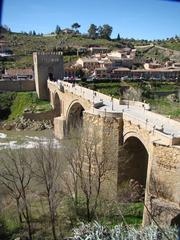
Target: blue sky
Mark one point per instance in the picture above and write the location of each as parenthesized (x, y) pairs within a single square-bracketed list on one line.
[(148, 19)]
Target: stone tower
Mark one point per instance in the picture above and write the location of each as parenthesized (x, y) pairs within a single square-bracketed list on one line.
[(47, 65)]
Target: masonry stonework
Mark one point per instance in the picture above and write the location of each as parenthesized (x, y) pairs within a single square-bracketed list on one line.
[(17, 85), (152, 156), (47, 65)]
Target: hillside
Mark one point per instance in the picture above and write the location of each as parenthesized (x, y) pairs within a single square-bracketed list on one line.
[(157, 53), (23, 45)]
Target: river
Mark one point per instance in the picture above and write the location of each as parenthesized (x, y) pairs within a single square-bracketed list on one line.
[(26, 139)]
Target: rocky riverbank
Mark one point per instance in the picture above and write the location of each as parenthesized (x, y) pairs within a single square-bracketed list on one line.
[(27, 124)]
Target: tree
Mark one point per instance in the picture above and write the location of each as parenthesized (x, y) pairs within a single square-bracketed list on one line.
[(48, 172), (118, 37), (34, 33), (58, 30), (105, 31), (16, 175), (133, 94), (92, 31), (89, 166), (75, 26), (79, 73)]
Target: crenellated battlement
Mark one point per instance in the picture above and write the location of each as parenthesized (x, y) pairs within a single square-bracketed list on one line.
[(48, 53)]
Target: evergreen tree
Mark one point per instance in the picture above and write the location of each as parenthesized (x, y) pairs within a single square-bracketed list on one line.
[(92, 31), (75, 26), (118, 37), (58, 29), (105, 31)]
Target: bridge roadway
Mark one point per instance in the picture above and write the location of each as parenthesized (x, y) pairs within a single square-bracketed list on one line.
[(137, 111)]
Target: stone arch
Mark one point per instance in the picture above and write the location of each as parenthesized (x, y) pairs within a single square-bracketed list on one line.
[(57, 105), (74, 115), (133, 165), (136, 156), (138, 136)]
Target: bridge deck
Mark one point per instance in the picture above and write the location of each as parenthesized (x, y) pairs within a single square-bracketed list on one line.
[(102, 103)]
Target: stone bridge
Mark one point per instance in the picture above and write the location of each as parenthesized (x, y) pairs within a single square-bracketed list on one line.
[(148, 144)]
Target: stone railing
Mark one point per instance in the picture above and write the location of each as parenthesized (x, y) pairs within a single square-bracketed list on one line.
[(94, 96)]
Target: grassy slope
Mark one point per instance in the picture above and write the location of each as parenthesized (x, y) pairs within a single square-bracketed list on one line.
[(28, 100), (172, 45), (23, 46)]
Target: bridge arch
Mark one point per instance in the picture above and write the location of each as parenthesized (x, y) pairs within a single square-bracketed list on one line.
[(57, 105), (138, 136), (74, 115), (134, 159)]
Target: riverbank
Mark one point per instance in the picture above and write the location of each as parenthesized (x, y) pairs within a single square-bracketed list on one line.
[(26, 124), (14, 105)]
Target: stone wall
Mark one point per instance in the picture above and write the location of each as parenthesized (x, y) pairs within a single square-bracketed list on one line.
[(17, 85), (40, 116), (164, 189), (110, 135)]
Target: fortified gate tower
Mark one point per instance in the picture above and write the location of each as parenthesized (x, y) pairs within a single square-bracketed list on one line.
[(47, 65)]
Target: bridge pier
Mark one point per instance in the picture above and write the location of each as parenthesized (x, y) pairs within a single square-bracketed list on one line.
[(60, 127)]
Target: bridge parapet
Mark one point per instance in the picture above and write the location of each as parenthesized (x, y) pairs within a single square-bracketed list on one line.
[(158, 133), (94, 96)]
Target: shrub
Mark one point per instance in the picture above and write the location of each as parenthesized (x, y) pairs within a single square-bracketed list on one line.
[(3, 230), (96, 231)]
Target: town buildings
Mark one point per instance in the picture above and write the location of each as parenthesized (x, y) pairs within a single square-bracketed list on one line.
[(120, 64), (18, 74)]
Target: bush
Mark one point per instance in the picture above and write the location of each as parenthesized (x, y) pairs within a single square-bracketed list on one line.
[(3, 230), (96, 231)]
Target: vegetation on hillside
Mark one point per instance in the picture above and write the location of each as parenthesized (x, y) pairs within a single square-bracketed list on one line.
[(24, 45), (13, 105)]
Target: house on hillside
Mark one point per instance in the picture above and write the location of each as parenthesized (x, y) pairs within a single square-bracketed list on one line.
[(152, 65), (176, 65), (102, 73), (95, 50), (19, 74), (67, 31), (157, 74), (118, 73), (5, 51), (88, 63)]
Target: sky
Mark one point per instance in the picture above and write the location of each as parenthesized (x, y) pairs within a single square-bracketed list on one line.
[(139, 19)]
